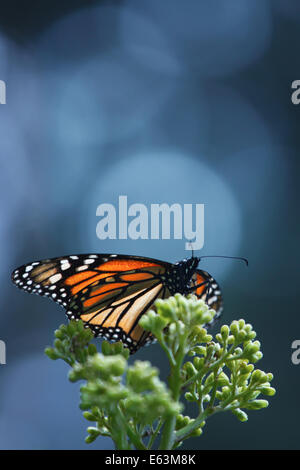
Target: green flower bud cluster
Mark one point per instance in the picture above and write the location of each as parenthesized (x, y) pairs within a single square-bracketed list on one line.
[(72, 343), (133, 406), (243, 387), (189, 311), (143, 397), (183, 421), (222, 375), (102, 421), (240, 333), (115, 395), (149, 397), (178, 321), (111, 349)]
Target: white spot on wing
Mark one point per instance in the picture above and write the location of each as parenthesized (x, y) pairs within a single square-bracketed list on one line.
[(89, 261), (81, 268), (55, 278), (65, 265)]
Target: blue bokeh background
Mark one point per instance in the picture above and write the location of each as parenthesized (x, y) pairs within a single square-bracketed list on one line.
[(171, 101)]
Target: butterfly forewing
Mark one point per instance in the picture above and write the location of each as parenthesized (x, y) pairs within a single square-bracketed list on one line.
[(108, 292)]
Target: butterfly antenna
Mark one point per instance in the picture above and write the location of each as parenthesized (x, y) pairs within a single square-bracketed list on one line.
[(191, 245), (229, 257)]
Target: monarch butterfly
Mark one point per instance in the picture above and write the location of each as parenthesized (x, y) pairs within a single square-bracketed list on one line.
[(110, 293)]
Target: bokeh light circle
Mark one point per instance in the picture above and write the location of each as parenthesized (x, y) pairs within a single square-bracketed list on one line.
[(214, 38), (165, 177)]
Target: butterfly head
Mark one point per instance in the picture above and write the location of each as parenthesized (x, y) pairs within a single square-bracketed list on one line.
[(190, 264)]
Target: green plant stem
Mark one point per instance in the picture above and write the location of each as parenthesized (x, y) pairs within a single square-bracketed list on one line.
[(119, 434), (183, 433), (214, 389), (222, 359), (168, 351), (154, 435), (167, 435), (133, 436), (175, 386)]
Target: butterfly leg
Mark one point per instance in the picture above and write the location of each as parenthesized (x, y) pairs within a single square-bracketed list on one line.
[(195, 287)]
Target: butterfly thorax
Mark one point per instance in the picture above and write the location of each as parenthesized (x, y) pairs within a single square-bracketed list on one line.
[(180, 275)]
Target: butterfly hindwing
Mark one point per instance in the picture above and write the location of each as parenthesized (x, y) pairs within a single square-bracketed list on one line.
[(209, 291)]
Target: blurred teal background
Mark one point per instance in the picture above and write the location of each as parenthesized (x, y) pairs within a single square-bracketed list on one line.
[(171, 101)]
